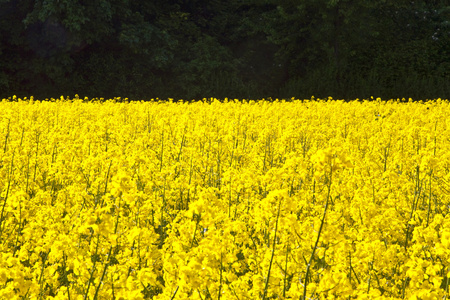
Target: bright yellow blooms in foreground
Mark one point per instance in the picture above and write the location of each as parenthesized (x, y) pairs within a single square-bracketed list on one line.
[(224, 200)]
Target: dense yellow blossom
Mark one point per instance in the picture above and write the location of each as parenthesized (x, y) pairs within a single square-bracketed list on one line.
[(224, 199)]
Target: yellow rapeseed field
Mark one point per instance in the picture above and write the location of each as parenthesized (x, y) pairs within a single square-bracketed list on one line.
[(229, 199)]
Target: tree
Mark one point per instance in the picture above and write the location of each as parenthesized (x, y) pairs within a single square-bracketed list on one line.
[(237, 48)]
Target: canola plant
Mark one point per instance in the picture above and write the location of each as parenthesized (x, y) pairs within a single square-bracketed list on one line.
[(300, 199)]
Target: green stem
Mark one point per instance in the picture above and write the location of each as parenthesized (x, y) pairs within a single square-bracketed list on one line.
[(86, 294), (308, 267), (429, 201), (6, 137), (221, 267), (174, 294), (2, 216), (273, 251), (103, 274), (285, 272)]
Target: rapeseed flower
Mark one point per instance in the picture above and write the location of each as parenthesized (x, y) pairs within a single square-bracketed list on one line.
[(176, 200)]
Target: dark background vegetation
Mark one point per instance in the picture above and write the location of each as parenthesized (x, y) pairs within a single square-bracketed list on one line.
[(144, 49)]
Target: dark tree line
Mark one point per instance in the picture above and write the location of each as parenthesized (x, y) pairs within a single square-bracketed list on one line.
[(232, 48)]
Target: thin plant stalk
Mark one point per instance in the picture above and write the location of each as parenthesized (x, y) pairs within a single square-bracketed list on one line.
[(308, 267), (273, 251)]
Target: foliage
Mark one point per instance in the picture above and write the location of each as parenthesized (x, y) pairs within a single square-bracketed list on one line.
[(236, 49)]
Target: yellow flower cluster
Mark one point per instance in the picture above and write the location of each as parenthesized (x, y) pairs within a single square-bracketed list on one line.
[(229, 199)]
